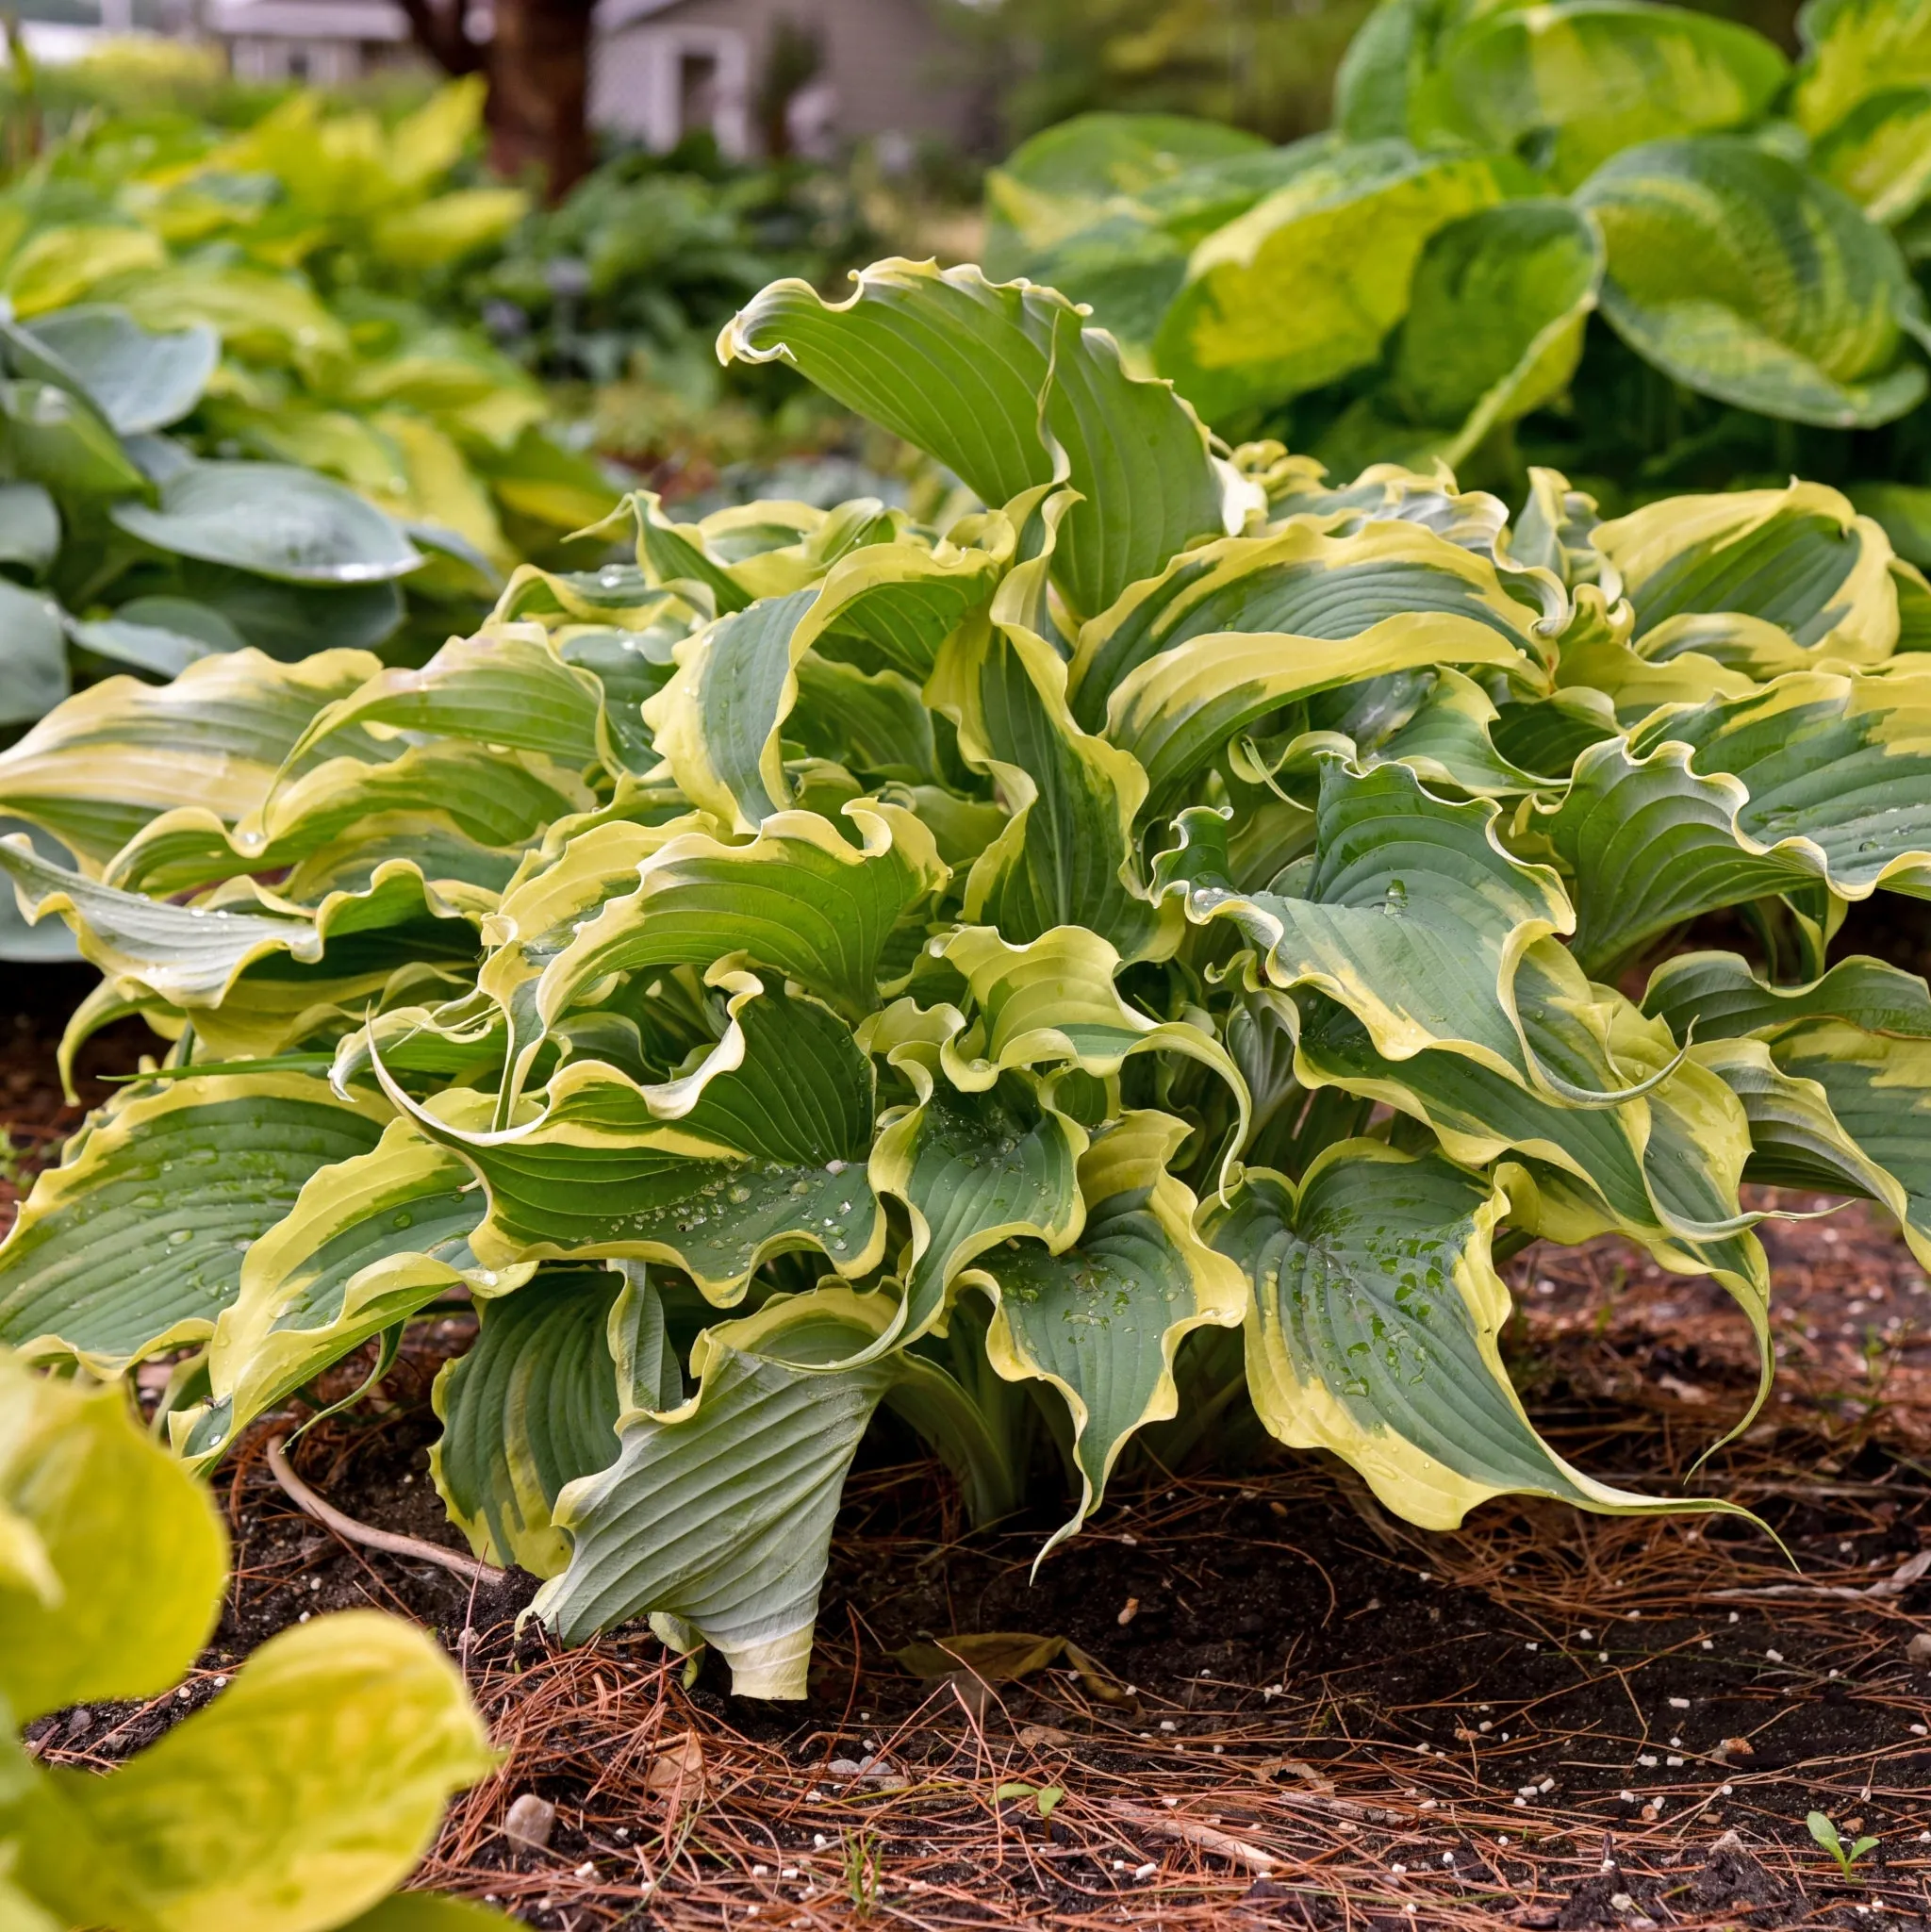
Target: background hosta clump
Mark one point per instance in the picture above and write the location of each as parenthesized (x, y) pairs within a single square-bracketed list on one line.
[(1623, 237), (1167, 934)]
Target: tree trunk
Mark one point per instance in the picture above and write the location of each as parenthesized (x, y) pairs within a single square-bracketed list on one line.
[(539, 79)]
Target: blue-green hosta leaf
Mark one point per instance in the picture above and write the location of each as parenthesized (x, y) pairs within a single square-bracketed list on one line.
[(719, 1513), (1745, 278), (1304, 288), (1855, 49), (981, 376), (112, 1558), (1814, 779), (1496, 317), (630, 667), (533, 1405), (761, 1149), (1100, 1321), (1410, 913), (801, 898), (1377, 1309), (137, 1241), (307, 1791), (124, 751), (33, 654), (54, 437), (137, 380), (160, 634), (273, 521), (716, 722), (1450, 742), (292, 620), (1568, 85), (29, 527), (1880, 152), (1067, 855), (368, 1241), (1765, 581)]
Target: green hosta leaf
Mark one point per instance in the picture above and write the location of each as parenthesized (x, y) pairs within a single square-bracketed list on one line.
[(112, 1559), (136, 1241), (369, 1240), (759, 1150), (1814, 779), (533, 1405), (800, 898), (1764, 580), (1066, 854), (1102, 1320), (1395, 48), (874, 723), (124, 751), (719, 1513), (1743, 277), (1377, 1309), (981, 376), (1095, 156), (1855, 48), (1411, 914), (1303, 287), (1496, 318), (425, 1912), (33, 654), (273, 521), (718, 720), (53, 436), (300, 1797), (1880, 152), (138, 380), (1567, 86)]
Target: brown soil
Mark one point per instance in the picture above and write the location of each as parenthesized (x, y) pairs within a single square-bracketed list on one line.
[(1336, 1720)]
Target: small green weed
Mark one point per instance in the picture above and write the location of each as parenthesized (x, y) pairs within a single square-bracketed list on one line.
[(1824, 1832)]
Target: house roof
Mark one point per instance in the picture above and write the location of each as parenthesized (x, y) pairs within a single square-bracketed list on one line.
[(353, 20)]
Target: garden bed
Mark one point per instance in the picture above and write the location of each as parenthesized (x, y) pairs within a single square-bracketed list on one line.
[(1334, 1720)]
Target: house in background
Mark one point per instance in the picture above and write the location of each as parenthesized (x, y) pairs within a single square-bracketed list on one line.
[(885, 69)]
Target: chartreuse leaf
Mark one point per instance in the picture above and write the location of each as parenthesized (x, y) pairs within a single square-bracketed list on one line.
[(533, 1405), (136, 1241), (1567, 86), (369, 1240), (761, 1149), (299, 1797), (1855, 49), (1880, 152), (1766, 581), (1813, 779), (425, 1912), (718, 1513), (801, 898), (1742, 276), (1374, 1329), (989, 379), (1102, 1320), (125, 751), (1410, 913), (716, 722), (1302, 288), (112, 1559)]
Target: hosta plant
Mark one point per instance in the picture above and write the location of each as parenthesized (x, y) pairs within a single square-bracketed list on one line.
[(1631, 229), (1128, 963), (295, 1801)]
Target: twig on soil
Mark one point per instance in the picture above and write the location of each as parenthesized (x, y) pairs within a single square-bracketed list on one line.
[(1157, 1824), (1912, 1570), (349, 1530)]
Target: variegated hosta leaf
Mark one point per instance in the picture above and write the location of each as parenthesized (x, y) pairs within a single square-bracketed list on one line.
[(1880, 152), (1813, 779), (719, 1513), (716, 722), (989, 379), (804, 897), (136, 1241), (1742, 276), (1856, 48), (759, 1150), (368, 1241), (1410, 913), (97, 770), (1374, 1330), (1450, 742), (1067, 855), (1101, 1320), (533, 1405), (1570, 84), (1716, 995), (1766, 581)]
